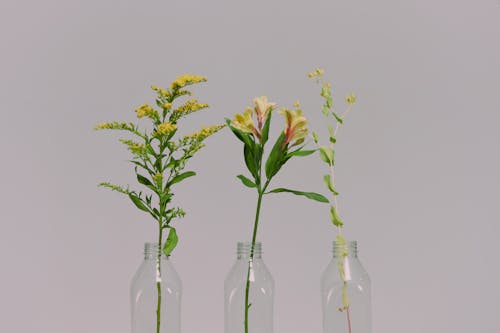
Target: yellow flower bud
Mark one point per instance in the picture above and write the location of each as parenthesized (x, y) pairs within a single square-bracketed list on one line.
[(166, 128), (351, 99)]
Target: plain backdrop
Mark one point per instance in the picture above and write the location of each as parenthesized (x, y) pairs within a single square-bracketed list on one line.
[(417, 160)]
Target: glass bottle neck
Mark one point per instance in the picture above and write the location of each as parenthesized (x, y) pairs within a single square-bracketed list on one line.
[(245, 250), (345, 249), (152, 251)]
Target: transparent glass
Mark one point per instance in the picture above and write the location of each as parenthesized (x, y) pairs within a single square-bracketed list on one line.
[(147, 284), (260, 293), (346, 297)]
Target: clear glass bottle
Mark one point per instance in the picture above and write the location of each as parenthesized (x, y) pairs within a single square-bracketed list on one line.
[(346, 292), (260, 293), (148, 283)]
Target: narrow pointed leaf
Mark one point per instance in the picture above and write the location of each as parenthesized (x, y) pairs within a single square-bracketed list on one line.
[(251, 160), (337, 117), (265, 129), (243, 137), (301, 153), (247, 182), (138, 202), (275, 158), (143, 180), (309, 195), (182, 176)]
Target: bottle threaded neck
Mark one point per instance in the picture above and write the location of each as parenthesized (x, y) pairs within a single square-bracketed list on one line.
[(244, 250), (152, 251), (341, 249)]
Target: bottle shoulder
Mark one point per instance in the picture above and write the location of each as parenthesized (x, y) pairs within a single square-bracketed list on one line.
[(258, 274), (353, 268)]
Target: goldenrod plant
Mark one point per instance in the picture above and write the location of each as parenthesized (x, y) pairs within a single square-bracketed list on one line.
[(252, 129), (334, 120), (159, 159)]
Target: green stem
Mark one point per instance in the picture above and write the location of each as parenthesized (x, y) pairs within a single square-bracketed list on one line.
[(250, 262), (158, 280)]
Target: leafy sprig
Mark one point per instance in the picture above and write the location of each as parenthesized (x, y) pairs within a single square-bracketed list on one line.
[(254, 137), (159, 158), (252, 129), (327, 154)]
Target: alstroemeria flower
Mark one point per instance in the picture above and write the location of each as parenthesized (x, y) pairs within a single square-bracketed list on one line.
[(262, 109), (296, 126), (244, 122)]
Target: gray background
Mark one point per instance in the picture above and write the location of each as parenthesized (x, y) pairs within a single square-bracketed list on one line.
[(417, 160)]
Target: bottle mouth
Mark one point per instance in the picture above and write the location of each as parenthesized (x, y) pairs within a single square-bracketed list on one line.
[(152, 250), (245, 249), (342, 249)]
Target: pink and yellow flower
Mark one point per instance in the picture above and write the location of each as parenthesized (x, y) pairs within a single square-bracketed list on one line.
[(245, 123), (262, 109), (296, 126)]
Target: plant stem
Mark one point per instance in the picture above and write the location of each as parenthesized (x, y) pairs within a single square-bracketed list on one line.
[(158, 280), (348, 319), (250, 262)]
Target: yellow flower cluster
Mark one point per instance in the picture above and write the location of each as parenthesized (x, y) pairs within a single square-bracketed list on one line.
[(160, 91), (204, 132), (316, 73), (133, 146), (191, 105), (185, 80), (145, 110), (166, 128), (351, 98), (158, 178), (114, 125), (166, 105)]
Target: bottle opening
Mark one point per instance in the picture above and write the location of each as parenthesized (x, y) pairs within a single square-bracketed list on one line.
[(245, 250), (341, 249), (152, 250)]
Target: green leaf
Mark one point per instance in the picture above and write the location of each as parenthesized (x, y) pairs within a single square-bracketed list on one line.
[(329, 101), (301, 152), (181, 177), (334, 216), (325, 110), (331, 130), (247, 182), (251, 159), (243, 137), (315, 137), (138, 202), (326, 154), (275, 159), (329, 184), (142, 165), (171, 242), (165, 198), (150, 150), (143, 180), (172, 163), (325, 92), (265, 129), (337, 117), (309, 195)]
